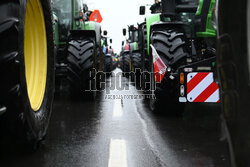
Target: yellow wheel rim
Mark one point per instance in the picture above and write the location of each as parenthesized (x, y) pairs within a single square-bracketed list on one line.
[(35, 53)]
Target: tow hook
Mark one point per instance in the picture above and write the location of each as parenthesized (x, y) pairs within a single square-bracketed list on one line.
[(2, 110)]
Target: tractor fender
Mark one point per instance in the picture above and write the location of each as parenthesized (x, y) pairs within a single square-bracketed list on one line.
[(94, 33), (82, 34), (186, 28)]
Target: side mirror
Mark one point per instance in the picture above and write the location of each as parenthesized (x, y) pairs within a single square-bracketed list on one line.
[(105, 32), (110, 40), (124, 31), (142, 10), (85, 8), (122, 43)]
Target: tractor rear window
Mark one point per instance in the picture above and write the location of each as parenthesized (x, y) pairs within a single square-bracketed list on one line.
[(63, 10)]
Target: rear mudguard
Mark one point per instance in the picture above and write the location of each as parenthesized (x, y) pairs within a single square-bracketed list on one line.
[(186, 28), (89, 29), (82, 34)]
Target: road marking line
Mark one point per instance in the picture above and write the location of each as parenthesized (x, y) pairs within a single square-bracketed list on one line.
[(117, 153), (117, 108)]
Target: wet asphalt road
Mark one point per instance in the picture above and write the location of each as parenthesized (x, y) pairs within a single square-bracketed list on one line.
[(123, 133)]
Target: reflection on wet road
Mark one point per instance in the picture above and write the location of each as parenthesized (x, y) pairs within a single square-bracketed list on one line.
[(123, 133)]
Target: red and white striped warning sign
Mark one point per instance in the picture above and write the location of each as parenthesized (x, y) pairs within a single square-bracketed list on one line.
[(202, 88)]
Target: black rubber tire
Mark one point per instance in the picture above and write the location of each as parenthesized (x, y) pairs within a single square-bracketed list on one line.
[(170, 46), (136, 60), (80, 60), (20, 117), (108, 63), (126, 64), (136, 65), (121, 61), (233, 69)]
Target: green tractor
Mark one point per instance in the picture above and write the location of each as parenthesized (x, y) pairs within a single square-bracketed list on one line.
[(26, 68), (185, 39), (125, 54), (78, 42), (132, 59)]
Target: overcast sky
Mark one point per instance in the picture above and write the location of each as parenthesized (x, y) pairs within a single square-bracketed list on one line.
[(117, 14)]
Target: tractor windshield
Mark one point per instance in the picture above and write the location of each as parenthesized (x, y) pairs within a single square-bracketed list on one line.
[(134, 36), (63, 10)]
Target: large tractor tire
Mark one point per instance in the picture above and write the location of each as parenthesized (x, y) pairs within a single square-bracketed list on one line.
[(80, 57), (170, 45), (136, 60), (126, 64), (108, 63), (234, 74), (136, 65), (121, 61), (26, 67)]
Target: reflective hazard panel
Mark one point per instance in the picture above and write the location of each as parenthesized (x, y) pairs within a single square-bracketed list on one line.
[(96, 16), (202, 88)]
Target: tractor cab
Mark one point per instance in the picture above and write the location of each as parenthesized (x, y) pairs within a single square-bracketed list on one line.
[(62, 9), (133, 33), (74, 15)]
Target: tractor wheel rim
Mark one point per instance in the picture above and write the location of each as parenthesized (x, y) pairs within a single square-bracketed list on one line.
[(35, 53)]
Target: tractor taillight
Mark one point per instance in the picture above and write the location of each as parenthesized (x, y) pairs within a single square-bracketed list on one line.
[(181, 78)]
